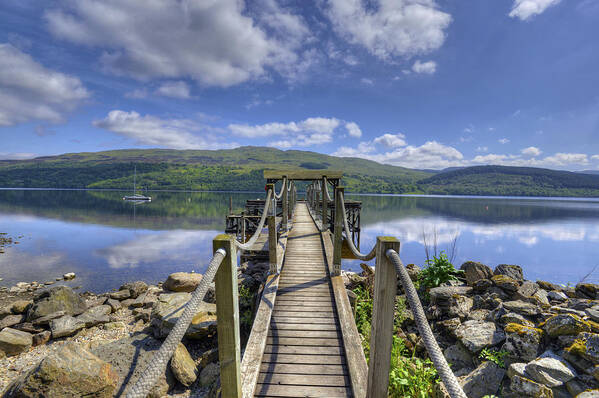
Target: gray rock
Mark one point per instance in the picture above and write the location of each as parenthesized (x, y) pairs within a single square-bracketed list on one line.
[(517, 369), (513, 271), (530, 388), (11, 320), (209, 374), (413, 271), (459, 306), (135, 288), (129, 357), (65, 326), (563, 324), (549, 371), (474, 271), (476, 335), (589, 394), (512, 317), (209, 356), (585, 346), (522, 307), (509, 285), (45, 320), (484, 380), (557, 296), (14, 342), (70, 371), (444, 293), (183, 366), (522, 342), (20, 306), (587, 290), (95, 316), (170, 307), (479, 315), (120, 295), (41, 338), (458, 357), (68, 276), (182, 282), (593, 313), (541, 296), (114, 304), (55, 299)]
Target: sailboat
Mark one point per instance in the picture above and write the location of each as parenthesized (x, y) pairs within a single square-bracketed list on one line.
[(136, 197)]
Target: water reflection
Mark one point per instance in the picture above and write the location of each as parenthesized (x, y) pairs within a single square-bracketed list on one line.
[(107, 241)]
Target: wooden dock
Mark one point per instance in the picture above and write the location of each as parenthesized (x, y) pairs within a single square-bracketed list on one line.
[(304, 354)]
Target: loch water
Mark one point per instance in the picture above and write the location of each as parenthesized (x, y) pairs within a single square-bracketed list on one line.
[(107, 241)]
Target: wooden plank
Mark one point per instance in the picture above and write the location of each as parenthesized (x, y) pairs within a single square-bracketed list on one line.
[(299, 326), (318, 342), (322, 307), (283, 379), (306, 300), (303, 314), (338, 370), (269, 390), (327, 334), (304, 359), (302, 350)]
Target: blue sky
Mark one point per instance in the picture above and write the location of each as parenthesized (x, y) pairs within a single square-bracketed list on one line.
[(415, 83)]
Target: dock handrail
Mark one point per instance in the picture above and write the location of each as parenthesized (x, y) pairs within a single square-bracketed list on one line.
[(250, 242)]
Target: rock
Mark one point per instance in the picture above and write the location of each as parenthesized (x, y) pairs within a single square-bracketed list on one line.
[(65, 326), (549, 286), (45, 320), (114, 325), (68, 276), (4, 311), (513, 271), (522, 342), (11, 320), (129, 357), (593, 313), (58, 298), (209, 374), (581, 304), (14, 342), (512, 317), (549, 371), (541, 297), (28, 327), (182, 282), (20, 306), (505, 282), (522, 307), (530, 388), (476, 335), (120, 295), (459, 306), (135, 288), (479, 315), (484, 380), (557, 296), (41, 338), (589, 394), (70, 371), (209, 356), (458, 357), (114, 304), (587, 290), (516, 369), (169, 308), (563, 324), (127, 302), (526, 290), (474, 271), (444, 293), (481, 285), (183, 366), (95, 316), (413, 271), (139, 301), (586, 346)]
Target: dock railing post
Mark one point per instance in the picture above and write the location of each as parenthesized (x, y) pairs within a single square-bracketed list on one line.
[(338, 237), (272, 244), (325, 210), (381, 335), (285, 203), (227, 313)]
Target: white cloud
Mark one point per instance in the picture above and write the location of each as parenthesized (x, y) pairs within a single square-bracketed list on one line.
[(525, 9), (16, 155), (216, 43), (137, 93), (152, 131), (391, 140), (531, 151), (353, 129), (562, 159), (30, 91), (489, 159), (428, 67), (482, 149), (389, 28), (595, 157), (177, 89), (503, 140), (367, 81)]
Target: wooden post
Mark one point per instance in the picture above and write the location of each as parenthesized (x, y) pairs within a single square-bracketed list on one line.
[(325, 210), (230, 205), (243, 227), (381, 335), (272, 244), (227, 313), (285, 204), (338, 237)]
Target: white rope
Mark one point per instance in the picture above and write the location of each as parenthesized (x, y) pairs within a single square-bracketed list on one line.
[(280, 194), (356, 252), (248, 245)]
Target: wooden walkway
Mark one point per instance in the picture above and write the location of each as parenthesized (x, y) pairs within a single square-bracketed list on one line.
[(304, 354)]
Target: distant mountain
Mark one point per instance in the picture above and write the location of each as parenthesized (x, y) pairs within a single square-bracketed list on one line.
[(588, 172), (241, 169)]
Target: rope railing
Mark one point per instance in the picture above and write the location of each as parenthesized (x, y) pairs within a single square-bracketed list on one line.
[(354, 250), (449, 380), (157, 366), (280, 194), (248, 244)]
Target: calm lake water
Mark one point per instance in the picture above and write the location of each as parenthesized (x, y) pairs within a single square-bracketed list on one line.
[(107, 241)]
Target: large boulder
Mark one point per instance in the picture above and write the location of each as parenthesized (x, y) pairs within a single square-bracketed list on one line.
[(444, 293), (65, 326), (587, 290), (182, 282), (55, 299), (70, 371), (549, 371), (522, 342), (505, 282), (129, 357), (484, 380), (170, 307), (474, 271), (513, 271), (476, 335), (530, 388), (14, 342), (95, 316), (183, 366), (522, 308), (565, 324), (586, 346), (11, 320)]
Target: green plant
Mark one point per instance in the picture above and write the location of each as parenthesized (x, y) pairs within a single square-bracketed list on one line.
[(246, 301), (438, 271), (410, 376), (495, 356)]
